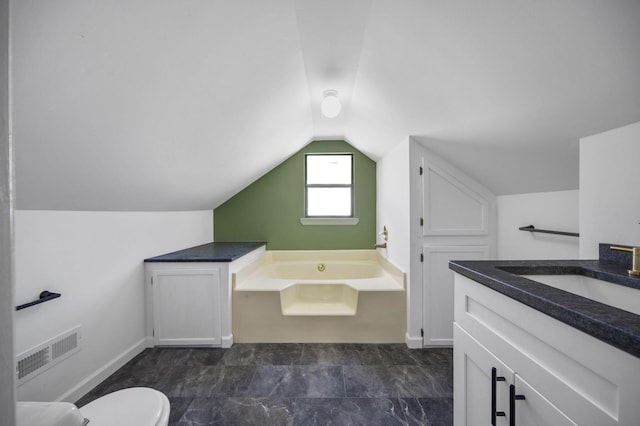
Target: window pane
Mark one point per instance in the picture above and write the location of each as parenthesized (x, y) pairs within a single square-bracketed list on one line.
[(328, 201), (329, 169)]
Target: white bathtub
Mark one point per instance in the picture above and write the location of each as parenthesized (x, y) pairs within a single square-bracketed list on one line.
[(362, 270), (323, 270), (294, 295)]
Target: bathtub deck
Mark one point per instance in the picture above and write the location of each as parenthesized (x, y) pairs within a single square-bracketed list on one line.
[(259, 283), (277, 270)]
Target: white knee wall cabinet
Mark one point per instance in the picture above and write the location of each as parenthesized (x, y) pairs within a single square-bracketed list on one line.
[(189, 303), (516, 366), (186, 306)]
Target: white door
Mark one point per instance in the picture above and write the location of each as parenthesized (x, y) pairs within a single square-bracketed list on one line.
[(186, 307), (438, 286)]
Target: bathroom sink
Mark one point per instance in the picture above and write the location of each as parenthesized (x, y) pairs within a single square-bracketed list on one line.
[(611, 294)]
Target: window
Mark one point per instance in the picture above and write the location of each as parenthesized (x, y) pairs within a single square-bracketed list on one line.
[(329, 185)]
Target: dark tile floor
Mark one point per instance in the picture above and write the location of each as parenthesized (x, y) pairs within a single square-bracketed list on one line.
[(295, 384)]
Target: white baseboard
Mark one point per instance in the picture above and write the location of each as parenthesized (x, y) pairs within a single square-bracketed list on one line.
[(227, 341), (440, 343), (413, 342), (82, 388)]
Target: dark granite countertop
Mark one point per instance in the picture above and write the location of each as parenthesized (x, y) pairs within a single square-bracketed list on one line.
[(211, 252), (611, 325)]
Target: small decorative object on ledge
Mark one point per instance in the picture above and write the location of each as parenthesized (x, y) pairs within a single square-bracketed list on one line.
[(532, 228), (44, 297)]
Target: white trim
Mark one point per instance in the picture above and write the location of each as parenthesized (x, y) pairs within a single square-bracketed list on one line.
[(329, 220), (413, 342), (90, 382), (227, 341)]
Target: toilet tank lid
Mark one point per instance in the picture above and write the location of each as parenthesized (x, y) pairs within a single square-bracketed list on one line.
[(139, 406)]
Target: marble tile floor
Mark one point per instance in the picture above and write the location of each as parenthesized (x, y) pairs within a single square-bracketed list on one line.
[(295, 384)]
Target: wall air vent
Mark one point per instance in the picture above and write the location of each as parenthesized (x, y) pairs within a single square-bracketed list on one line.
[(44, 356), (33, 362)]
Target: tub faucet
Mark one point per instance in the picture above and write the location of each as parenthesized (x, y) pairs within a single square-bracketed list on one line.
[(635, 258), (386, 238)]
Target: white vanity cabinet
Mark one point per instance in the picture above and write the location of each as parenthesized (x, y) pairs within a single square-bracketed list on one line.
[(494, 392), (514, 365)]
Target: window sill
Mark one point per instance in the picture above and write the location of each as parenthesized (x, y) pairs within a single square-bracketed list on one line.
[(329, 220)]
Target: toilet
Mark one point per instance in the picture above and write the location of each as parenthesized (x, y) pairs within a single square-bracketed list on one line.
[(127, 407)]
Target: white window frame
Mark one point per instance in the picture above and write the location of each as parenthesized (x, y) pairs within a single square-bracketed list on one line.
[(329, 219)]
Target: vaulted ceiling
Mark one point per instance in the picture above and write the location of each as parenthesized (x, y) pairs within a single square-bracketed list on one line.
[(177, 105)]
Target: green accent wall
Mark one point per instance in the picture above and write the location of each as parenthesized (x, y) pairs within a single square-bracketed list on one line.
[(271, 207)]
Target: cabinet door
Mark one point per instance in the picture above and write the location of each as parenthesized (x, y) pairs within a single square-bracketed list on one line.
[(186, 307), (530, 408), (481, 384), (453, 204), (439, 287)]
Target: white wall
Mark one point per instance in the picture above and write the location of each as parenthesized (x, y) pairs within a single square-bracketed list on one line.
[(393, 211), (393, 207), (610, 189), (393, 204), (7, 398), (556, 211), (94, 259)]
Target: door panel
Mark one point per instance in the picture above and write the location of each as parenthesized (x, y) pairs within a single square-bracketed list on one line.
[(186, 307), (450, 207), (438, 289), (474, 387)]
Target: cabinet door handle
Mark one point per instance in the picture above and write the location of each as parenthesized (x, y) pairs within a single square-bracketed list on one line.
[(512, 404), (495, 378)]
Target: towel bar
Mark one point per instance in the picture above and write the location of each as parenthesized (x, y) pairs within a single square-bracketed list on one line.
[(532, 228), (45, 296)]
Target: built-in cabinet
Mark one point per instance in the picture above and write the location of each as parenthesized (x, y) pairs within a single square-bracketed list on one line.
[(186, 307), (189, 303), (452, 218), (514, 365)]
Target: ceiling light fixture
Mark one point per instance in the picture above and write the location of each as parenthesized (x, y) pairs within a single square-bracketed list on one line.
[(330, 106)]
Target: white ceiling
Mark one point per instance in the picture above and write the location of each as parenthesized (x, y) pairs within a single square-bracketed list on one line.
[(171, 105)]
